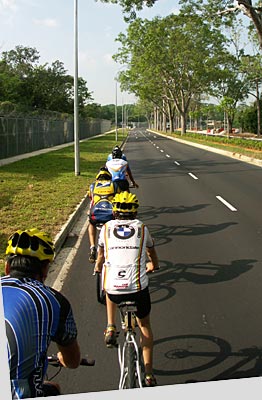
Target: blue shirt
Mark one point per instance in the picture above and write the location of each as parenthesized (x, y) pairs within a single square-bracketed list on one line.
[(35, 315), (110, 157)]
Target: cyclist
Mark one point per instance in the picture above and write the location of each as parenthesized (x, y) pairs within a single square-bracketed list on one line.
[(35, 315), (117, 150), (100, 192), (124, 246), (119, 168)]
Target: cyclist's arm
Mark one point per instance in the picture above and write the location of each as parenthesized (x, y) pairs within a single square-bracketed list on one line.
[(69, 356), (65, 336), (153, 259), (129, 173)]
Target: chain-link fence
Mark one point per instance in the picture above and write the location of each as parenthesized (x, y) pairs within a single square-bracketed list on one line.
[(23, 135)]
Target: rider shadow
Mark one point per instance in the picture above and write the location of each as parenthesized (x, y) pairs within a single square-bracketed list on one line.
[(192, 354), (205, 273), (162, 283), (147, 213), (163, 234)]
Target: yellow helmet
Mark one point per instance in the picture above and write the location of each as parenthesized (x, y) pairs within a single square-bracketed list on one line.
[(125, 202), (103, 174), (31, 242)]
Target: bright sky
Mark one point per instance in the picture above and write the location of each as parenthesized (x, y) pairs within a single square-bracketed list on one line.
[(48, 26)]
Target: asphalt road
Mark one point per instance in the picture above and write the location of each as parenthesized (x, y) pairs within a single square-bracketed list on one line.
[(204, 212)]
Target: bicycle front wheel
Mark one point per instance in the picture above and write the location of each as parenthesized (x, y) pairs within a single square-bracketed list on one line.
[(131, 366)]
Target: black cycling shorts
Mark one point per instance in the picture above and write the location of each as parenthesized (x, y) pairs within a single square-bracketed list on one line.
[(142, 299), (123, 185)]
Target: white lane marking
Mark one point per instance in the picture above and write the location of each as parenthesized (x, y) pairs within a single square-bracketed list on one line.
[(162, 151), (226, 203), (167, 155), (176, 162), (192, 175), (157, 147)]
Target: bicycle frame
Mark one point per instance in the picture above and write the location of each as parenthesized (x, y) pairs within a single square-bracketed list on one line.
[(128, 353)]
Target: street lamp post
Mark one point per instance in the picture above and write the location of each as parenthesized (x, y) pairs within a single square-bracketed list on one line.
[(76, 119), (116, 112)]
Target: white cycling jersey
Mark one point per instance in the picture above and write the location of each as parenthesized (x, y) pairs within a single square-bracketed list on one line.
[(117, 168), (125, 244)]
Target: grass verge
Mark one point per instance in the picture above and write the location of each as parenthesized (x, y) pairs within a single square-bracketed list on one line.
[(43, 191), (247, 147)]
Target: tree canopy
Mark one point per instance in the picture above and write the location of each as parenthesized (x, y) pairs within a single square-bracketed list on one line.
[(31, 86)]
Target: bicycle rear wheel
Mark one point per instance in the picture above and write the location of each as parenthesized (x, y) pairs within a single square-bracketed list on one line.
[(131, 366), (100, 293)]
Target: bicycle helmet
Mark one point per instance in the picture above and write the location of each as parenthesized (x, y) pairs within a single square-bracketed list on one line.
[(117, 152), (125, 202), (104, 174), (31, 242)]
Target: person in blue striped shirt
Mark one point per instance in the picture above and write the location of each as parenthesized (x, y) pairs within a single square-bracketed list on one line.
[(35, 315)]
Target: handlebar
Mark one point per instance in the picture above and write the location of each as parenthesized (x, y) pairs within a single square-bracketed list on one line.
[(54, 361)]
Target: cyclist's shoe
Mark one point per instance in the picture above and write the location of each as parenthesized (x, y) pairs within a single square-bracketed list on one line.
[(150, 380), (92, 257), (110, 336)]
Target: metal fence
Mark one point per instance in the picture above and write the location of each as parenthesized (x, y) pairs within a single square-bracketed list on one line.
[(24, 135)]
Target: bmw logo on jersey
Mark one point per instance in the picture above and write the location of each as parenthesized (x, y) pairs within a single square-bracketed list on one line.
[(124, 231)]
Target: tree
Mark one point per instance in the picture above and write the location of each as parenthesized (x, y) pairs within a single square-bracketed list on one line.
[(17, 68), (131, 6), (93, 110), (33, 87), (224, 11), (21, 60), (251, 67), (173, 59)]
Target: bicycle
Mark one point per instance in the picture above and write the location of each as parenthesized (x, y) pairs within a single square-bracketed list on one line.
[(100, 292), (54, 362), (128, 354)]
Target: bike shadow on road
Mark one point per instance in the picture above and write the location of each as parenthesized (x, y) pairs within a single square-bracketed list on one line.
[(200, 358), (147, 213), (162, 283), (164, 234)]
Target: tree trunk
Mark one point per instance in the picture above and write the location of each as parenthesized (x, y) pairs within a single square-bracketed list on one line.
[(258, 110), (183, 123), (255, 16), (229, 125)]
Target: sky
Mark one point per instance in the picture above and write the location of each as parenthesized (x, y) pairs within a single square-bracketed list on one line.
[(48, 26)]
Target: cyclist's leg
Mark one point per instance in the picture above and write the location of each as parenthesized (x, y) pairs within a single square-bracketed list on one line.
[(92, 233), (146, 338), (110, 332), (92, 240), (146, 341)]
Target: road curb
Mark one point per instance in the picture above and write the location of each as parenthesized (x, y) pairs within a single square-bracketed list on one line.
[(67, 227)]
